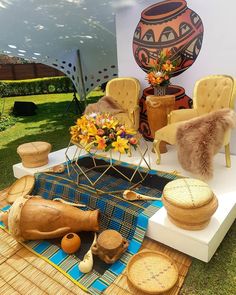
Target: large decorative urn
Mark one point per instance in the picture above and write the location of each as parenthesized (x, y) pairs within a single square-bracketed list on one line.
[(172, 25), (168, 25)]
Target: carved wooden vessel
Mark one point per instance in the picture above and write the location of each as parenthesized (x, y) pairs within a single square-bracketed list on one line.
[(32, 217), (158, 108), (110, 246)]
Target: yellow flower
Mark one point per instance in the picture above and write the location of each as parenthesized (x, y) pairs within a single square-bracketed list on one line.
[(84, 139), (168, 67), (120, 145), (110, 124), (101, 141), (92, 129), (74, 133), (159, 80), (130, 131), (82, 123)]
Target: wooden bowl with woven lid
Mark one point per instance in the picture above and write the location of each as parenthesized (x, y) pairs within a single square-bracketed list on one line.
[(34, 154), (189, 202)]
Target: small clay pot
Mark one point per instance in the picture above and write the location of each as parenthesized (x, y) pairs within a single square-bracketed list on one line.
[(70, 243), (110, 246)]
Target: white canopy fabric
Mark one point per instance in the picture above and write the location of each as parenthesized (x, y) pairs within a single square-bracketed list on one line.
[(56, 32)]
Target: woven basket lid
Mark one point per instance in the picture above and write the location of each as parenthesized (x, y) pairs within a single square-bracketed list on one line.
[(152, 272), (32, 148), (20, 188), (187, 193)]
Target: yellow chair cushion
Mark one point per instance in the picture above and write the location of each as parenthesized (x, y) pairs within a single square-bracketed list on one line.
[(182, 115), (125, 91), (124, 119), (168, 133), (213, 93)]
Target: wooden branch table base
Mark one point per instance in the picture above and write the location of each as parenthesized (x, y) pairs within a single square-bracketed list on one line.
[(158, 108), (22, 272)]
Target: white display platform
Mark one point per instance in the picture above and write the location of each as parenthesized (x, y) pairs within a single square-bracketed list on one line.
[(55, 158), (200, 244)]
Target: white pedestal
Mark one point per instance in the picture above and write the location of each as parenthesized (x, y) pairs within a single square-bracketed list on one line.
[(199, 244)]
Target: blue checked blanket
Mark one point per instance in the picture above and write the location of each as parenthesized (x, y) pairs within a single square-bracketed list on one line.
[(130, 219)]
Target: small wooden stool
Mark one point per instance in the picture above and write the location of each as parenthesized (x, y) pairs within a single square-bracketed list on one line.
[(189, 202), (34, 154)]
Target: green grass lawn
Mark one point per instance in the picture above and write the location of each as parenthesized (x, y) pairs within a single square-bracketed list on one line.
[(217, 277), (51, 124)]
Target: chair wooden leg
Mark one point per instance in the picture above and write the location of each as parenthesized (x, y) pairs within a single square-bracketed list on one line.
[(227, 156), (156, 147)]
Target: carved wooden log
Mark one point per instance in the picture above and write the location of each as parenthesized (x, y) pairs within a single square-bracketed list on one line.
[(158, 108)]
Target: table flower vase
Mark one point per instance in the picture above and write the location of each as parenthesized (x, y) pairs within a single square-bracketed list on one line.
[(159, 90)]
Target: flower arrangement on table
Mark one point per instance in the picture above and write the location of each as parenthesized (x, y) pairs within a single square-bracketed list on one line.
[(161, 70), (103, 132)]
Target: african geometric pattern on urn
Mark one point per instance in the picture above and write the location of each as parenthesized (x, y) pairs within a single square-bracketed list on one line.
[(169, 25)]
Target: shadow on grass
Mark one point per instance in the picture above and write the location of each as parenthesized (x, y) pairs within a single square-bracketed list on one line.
[(54, 111), (51, 111)]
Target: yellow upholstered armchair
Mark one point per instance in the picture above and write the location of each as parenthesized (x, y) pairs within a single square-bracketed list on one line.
[(125, 91), (211, 93)]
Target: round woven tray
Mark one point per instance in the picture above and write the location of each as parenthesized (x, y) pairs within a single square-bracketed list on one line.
[(21, 187), (152, 272)]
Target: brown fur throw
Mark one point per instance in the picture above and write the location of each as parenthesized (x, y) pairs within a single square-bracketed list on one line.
[(106, 104), (199, 139)]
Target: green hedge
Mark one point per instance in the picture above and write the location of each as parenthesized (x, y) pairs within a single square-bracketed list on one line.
[(37, 86)]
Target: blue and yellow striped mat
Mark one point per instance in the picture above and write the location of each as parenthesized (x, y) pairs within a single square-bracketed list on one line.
[(129, 218)]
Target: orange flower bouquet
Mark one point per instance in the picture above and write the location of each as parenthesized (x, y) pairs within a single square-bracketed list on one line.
[(102, 132), (160, 72)]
